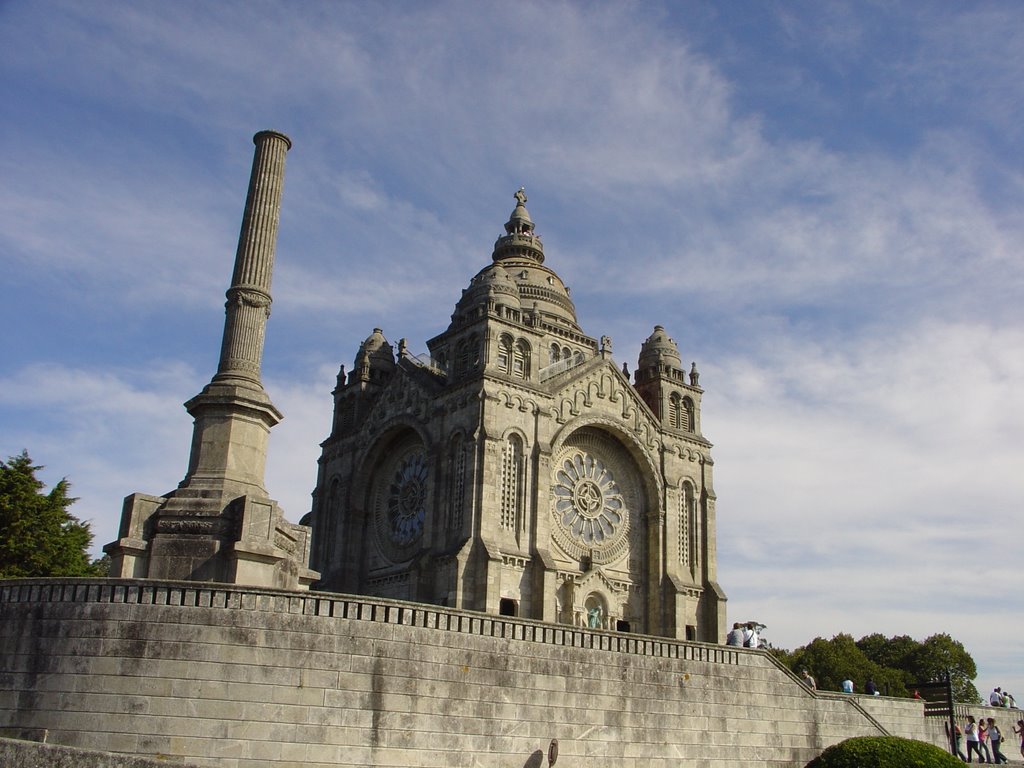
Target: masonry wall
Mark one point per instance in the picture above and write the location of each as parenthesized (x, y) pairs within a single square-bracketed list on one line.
[(251, 678), (29, 754)]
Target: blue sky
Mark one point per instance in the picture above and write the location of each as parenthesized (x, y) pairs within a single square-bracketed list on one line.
[(821, 202)]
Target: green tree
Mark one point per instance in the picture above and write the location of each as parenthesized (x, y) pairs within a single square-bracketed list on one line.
[(941, 654), (893, 652), (832, 661), (896, 663), (38, 536)]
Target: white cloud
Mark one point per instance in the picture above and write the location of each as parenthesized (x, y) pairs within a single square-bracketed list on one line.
[(110, 431), (295, 443), (115, 431), (130, 233), (873, 487)]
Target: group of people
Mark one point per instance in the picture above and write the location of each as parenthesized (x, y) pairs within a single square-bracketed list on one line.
[(744, 635), (982, 733), (1001, 698)]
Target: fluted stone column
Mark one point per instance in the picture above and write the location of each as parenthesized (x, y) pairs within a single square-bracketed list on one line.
[(248, 298), (219, 524), (233, 413)]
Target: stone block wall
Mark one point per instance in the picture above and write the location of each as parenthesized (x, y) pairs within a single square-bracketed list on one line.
[(243, 677), (27, 754)]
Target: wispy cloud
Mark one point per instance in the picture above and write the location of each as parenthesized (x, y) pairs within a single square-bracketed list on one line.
[(889, 457), (111, 430)]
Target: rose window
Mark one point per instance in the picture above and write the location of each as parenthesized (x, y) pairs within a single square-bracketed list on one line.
[(588, 502), (406, 501)]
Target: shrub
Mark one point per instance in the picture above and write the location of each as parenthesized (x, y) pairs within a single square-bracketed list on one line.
[(884, 752)]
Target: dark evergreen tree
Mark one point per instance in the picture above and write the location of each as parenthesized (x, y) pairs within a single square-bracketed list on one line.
[(38, 536)]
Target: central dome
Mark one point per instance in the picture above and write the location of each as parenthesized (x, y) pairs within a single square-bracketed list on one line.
[(521, 253), (492, 283)]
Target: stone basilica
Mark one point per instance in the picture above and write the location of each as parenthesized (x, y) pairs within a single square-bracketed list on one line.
[(516, 470)]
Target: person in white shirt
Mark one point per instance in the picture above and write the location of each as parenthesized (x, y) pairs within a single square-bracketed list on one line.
[(995, 698), (995, 739), (750, 638), (971, 734)]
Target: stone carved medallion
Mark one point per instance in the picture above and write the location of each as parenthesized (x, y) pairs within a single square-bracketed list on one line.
[(593, 494), (400, 501)]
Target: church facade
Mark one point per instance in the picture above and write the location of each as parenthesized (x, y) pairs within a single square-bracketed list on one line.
[(517, 470)]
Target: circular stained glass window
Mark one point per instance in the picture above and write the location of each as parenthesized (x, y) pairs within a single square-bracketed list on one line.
[(594, 495), (406, 503), (587, 499), (401, 500)]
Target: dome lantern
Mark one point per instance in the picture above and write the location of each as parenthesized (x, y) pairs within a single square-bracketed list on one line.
[(519, 240)]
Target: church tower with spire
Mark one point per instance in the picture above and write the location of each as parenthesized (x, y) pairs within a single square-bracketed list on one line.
[(515, 469)]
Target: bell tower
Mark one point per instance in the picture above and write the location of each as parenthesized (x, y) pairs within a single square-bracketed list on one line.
[(671, 395)]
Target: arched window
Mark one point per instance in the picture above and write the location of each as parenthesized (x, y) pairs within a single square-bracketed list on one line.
[(461, 358), (566, 353), (555, 354), (474, 352), (330, 550), (687, 415), (521, 360), (512, 483), (467, 355), (685, 524), (505, 354), (346, 413), (675, 407), (456, 483)]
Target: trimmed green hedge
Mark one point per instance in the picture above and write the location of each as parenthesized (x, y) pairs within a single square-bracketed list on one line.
[(884, 752)]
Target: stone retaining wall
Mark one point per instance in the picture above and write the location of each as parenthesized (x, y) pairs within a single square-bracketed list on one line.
[(243, 677), (27, 754)]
